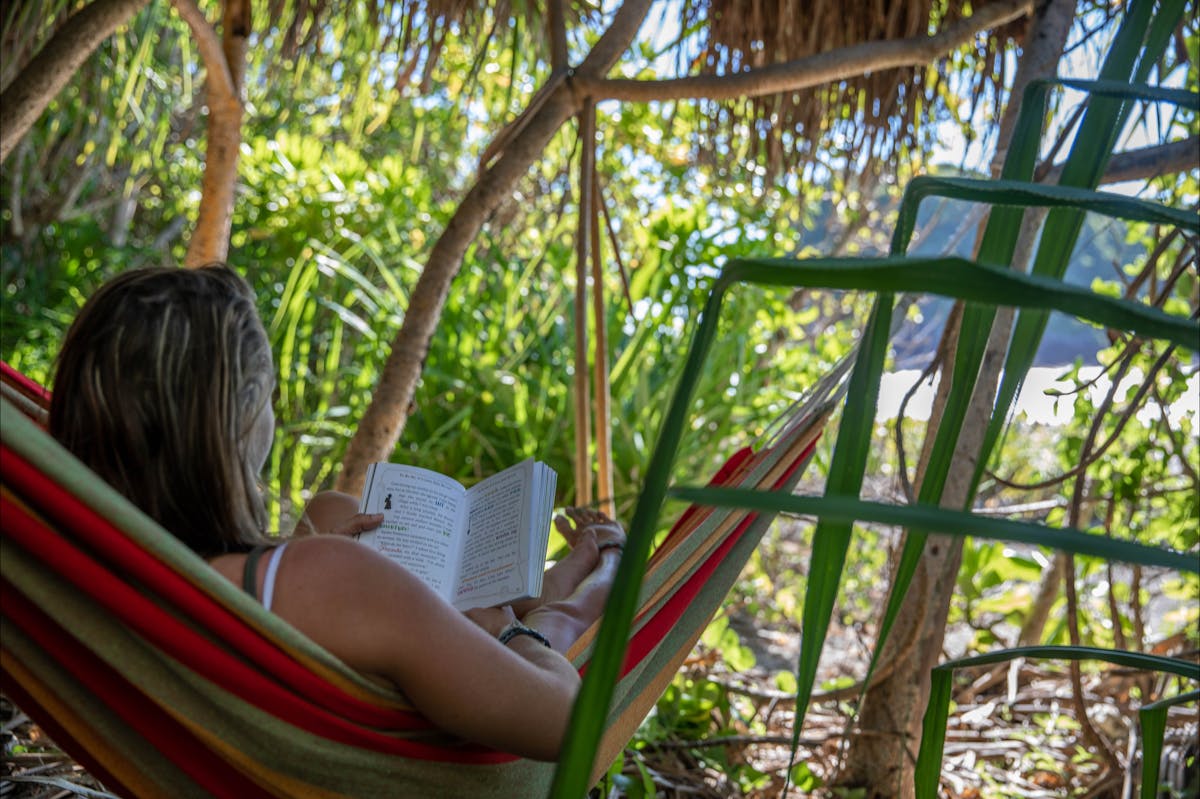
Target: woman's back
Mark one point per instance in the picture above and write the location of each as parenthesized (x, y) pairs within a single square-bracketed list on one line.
[(163, 388)]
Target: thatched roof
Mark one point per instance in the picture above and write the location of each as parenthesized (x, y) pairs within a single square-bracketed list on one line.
[(879, 114)]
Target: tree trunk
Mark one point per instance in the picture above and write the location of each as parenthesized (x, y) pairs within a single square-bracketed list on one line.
[(385, 417), (883, 751), (226, 67), (24, 100)]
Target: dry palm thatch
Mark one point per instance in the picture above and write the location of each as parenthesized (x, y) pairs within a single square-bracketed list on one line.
[(866, 120), (416, 30)]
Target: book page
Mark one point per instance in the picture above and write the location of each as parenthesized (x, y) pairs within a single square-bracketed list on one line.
[(495, 553), (422, 514)]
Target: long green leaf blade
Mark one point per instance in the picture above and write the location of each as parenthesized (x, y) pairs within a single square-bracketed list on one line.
[(1153, 719), (943, 520)]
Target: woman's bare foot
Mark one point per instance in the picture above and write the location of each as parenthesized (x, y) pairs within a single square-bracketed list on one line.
[(608, 533), (589, 537)]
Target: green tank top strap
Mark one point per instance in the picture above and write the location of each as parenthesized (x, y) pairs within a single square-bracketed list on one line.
[(250, 570)]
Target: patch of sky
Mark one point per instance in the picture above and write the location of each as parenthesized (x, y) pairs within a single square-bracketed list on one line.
[(1045, 397), (1088, 41)]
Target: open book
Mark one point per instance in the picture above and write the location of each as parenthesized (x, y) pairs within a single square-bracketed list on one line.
[(478, 546)]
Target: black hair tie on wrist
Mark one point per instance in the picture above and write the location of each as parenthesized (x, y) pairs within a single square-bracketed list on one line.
[(516, 628)]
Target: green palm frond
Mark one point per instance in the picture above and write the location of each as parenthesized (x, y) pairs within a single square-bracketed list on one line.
[(985, 283)]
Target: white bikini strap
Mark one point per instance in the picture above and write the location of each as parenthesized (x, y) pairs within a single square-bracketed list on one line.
[(268, 591)]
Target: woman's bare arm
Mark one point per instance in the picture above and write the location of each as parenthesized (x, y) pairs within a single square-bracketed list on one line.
[(382, 620), (335, 513)]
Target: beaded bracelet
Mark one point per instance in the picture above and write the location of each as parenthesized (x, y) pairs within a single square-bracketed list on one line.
[(516, 628)]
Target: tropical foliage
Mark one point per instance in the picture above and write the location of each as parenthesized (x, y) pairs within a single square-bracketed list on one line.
[(357, 147)]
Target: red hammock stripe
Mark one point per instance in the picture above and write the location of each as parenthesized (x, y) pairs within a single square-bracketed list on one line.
[(181, 642), (175, 741), (655, 630), (727, 470), (23, 384), (69, 512)]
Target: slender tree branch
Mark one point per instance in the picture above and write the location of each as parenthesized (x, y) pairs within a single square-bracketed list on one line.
[(1146, 162), (1151, 267), (226, 67), (23, 101), (602, 412), (558, 36), (583, 243), (1090, 736), (934, 364), (1089, 457), (814, 70), (219, 83), (616, 250)]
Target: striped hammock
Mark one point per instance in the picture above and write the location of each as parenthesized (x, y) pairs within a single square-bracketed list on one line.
[(164, 679)]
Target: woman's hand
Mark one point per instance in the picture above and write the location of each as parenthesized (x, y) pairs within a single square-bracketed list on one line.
[(335, 513), (357, 524), (492, 620)]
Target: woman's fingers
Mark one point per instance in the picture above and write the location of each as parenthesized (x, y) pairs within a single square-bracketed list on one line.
[(358, 523)]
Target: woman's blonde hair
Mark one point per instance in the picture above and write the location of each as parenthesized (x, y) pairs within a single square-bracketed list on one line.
[(157, 387)]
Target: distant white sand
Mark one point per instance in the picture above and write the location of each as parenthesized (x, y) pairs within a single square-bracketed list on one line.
[(1038, 401)]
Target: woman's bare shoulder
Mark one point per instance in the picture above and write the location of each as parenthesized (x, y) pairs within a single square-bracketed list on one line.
[(339, 563), (355, 602)]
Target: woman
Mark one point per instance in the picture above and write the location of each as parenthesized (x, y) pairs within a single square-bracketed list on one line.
[(163, 388)]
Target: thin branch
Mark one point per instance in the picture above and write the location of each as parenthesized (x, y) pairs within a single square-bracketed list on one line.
[(901, 459), (22, 101), (602, 411), (1068, 127), (616, 250), (558, 36), (220, 80), (583, 244), (1178, 442), (1151, 266), (1089, 457), (1090, 736), (813, 70), (1146, 162)]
